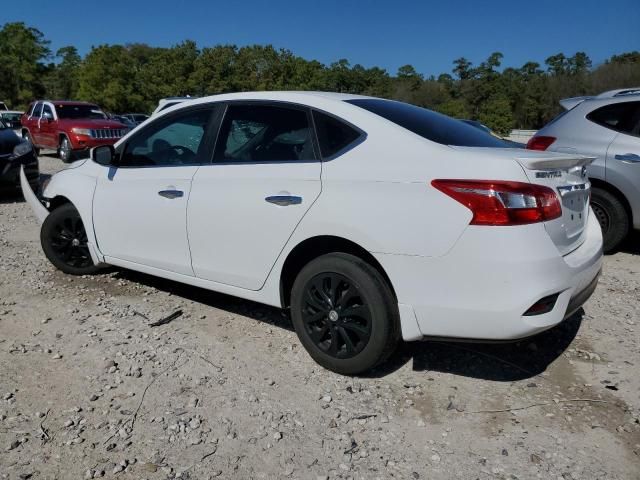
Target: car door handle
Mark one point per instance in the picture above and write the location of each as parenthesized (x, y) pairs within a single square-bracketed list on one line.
[(171, 193), (284, 200), (628, 158)]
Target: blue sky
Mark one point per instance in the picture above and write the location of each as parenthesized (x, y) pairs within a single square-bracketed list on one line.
[(391, 33)]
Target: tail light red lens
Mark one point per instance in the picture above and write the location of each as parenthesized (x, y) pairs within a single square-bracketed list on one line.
[(503, 203), (540, 142)]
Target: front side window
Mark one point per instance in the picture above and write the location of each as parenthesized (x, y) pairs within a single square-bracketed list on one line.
[(264, 133), (37, 111), (178, 140), (334, 135), (621, 117), (428, 124)]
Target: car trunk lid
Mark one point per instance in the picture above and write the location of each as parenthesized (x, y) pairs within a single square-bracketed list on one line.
[(566, 175)]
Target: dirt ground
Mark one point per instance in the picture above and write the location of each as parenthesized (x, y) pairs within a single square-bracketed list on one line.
[(89, 389)]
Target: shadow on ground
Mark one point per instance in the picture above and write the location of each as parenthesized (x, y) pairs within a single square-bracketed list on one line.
[(631, 244), (503, 362)]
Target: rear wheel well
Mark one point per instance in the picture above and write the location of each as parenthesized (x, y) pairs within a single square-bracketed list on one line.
[(315, 247), (601, 184)]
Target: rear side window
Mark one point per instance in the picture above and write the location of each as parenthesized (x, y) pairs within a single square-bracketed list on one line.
[(334, 135), (621, 117), (264, 133), (429, 124)]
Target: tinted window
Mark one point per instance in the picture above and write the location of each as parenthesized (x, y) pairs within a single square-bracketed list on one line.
[(80, 111), (261, 133), (47, 109), (175, 141), (621, 117), (429, 124), (333, 134), (37, 110)]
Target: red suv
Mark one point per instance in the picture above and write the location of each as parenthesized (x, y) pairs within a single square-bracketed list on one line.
[(70, 128)]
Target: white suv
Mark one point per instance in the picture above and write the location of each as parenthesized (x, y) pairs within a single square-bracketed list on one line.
[(606, 126), (369, 219)]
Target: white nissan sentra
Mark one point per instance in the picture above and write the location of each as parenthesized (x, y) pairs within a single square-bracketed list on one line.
[(369, 219)]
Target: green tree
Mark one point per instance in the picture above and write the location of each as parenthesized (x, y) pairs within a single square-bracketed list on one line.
[(22, 53), (61, 82), (106, 79)]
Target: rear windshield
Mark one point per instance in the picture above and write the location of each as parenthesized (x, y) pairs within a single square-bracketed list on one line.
[(80, 111), (429, 124)]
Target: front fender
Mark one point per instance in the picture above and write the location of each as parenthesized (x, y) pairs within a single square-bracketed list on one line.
[(76, 186)]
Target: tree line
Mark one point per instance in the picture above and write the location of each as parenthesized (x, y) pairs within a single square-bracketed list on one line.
[(133, 77)]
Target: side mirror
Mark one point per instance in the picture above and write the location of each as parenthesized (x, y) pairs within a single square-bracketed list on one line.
[(103, 155)]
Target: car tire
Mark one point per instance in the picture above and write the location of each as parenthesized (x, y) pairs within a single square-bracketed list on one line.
[(65, 151), (344, 313), (64, 241), (612, 216), (27, 136)]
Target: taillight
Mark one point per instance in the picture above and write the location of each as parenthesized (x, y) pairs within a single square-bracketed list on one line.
[(540, 142), (502, 202)]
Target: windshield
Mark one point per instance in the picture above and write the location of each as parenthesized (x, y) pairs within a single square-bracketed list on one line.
[(429, 124), (80, 111), (2, 124)]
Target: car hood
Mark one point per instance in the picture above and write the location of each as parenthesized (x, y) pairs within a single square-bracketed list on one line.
[(8, 140), (90, 123)]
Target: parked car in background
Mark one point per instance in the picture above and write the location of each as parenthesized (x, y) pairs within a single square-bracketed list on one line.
[(484, 128), (606, 126), (3, 106), (135, 118), (12, 118), (123, 120), (14, 153), (164, 103), (70, 128), (369, 219)]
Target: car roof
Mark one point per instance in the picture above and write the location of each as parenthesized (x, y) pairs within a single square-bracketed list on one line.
[(296, 95), (66, 102), (11, 111)]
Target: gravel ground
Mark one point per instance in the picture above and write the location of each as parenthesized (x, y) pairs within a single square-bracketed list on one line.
[(89, 389)]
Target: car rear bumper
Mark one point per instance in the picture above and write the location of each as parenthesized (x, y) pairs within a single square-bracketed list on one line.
[(482, 288)]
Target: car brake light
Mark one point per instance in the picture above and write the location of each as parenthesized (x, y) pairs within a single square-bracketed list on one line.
[(503, 203), (540, 142)]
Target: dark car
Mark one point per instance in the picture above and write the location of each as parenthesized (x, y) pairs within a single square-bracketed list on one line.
[(14, 152), (135, 118)]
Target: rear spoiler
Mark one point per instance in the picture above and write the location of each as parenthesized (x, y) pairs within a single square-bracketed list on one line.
[(554, 161), (569, 103)]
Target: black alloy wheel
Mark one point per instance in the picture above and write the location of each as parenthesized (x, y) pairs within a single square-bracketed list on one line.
[(336, 316), (65, 243), (345, 313)]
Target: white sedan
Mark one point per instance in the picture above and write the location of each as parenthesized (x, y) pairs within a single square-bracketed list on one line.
[(369, 219)]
